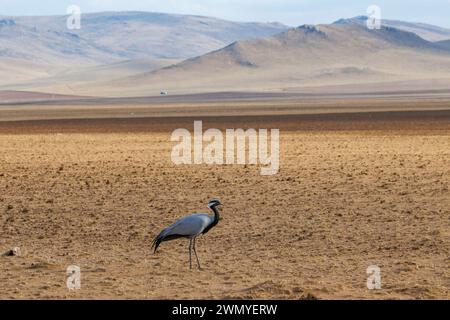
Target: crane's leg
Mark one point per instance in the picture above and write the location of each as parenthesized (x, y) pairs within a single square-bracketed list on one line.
[(190, 253), (195, 251)]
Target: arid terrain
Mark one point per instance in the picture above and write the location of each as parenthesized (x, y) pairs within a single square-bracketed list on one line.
[(86, 176), (354, 189)]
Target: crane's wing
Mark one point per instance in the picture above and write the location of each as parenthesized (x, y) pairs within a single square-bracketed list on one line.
[(185, 227)]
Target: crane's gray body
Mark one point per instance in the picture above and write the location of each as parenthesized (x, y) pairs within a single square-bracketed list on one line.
[(189, 227)]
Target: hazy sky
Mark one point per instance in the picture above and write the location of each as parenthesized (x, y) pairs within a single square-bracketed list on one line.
[(291, 12)]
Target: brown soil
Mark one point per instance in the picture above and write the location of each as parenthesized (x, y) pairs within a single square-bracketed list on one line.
[(352, 191)]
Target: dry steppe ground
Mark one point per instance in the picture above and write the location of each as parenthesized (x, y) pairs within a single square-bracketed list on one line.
[(352, 191)]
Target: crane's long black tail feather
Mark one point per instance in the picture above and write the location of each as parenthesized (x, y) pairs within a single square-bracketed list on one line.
[(157, 241), (162, 237)]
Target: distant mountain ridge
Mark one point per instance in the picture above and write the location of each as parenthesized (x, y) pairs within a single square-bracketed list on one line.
[(426, 31), (345, 52), (47, 46), (444, 44), (339, 53), (109, 37)]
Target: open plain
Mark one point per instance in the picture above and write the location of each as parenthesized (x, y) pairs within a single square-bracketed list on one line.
[(355, 189)]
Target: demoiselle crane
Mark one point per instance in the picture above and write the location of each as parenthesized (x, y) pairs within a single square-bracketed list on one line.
[(190, 227)]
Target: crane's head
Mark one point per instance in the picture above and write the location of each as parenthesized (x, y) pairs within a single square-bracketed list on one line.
[(214, 203)]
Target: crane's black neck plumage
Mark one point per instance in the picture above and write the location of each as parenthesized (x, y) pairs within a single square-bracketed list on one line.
[(215, 221)]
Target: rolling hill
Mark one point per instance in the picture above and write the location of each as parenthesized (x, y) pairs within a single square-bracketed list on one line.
[(426, 31), (336, 54), (445, 44), (41, 50), (109, 37), (139, 54)]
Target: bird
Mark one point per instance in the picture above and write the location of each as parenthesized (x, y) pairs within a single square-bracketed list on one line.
[(190, 227)]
